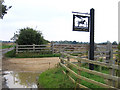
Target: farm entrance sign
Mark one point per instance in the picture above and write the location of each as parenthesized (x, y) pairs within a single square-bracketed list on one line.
[(85, 22)]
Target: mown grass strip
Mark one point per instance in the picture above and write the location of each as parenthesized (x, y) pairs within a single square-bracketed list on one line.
[(12, 54)]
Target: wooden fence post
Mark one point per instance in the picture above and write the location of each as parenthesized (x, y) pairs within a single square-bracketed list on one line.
[(97, 58), (33, 47), (68, 59), (16, 48), (62, 56), (108, 48), (110, 61), (52, 47), (79, 72)]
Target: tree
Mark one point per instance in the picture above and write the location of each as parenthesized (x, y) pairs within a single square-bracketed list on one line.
[(3, 9), (29, 36), (114, 43), (74, 42)]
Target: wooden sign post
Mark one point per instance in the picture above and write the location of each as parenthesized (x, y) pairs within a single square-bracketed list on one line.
[(85, 22), (91, 55)]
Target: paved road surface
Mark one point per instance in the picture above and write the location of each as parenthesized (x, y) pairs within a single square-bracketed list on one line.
[(2, 52), (6, 50)]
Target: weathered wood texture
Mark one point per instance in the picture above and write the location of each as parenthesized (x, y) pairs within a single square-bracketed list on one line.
[(57, 48), (107, 52), (34, 48)]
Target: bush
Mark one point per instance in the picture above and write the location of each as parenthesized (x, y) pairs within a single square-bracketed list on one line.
[(29, 36)]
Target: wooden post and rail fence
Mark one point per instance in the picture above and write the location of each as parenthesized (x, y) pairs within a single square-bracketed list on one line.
[(34, 48), (101, 51), (54, 48), (112, 80)]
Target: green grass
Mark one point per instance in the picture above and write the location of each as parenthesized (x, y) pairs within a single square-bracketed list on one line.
[(97, 68), (90, 76), (35, 55), (54, 78), (7, 46), (76, 54), (12, 54)]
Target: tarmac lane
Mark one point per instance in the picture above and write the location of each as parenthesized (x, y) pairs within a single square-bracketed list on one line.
[(6, 50), (2, 79)]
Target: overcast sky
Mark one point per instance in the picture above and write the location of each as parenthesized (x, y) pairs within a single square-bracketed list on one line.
[(54, 19)]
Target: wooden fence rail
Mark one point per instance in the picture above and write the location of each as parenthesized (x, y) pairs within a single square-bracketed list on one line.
[(112, 80), (106, 76), (33, 48), (105, 52), (57, 48), (54, 48)]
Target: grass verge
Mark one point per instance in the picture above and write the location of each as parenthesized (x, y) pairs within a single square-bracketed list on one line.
[(54, 78), (12, 54)]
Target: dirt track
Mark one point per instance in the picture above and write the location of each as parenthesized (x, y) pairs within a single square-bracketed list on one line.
[(29, 64)]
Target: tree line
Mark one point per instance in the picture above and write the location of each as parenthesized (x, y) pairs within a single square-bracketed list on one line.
[(77, 42)]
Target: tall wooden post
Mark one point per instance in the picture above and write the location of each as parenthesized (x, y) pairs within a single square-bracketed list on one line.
[(91, 55)]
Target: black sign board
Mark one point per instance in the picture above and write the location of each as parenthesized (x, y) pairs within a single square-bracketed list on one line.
[(80, 23)]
